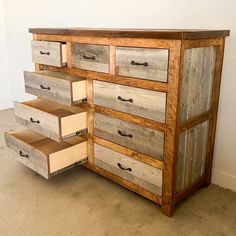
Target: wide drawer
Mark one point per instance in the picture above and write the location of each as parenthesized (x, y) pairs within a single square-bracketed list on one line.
[(45, 156), (49, 53), (144, 140), (144, 63), (58, 87), (53, 120), (141, 102), (90, 57), (139, 173)]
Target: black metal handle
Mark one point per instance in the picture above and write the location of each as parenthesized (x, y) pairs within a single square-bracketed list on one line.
[(124, 100), (124, 134), (34, 121), (89, 58), (23, 155), (139, 64), (123, 168), (44, 53), (42, 87)]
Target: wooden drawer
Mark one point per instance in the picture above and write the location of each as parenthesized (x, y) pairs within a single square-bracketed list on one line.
[(49, 53), (144, 63), (54, 120), (90, 57), (58, 87), (146, 141), (141, 102), (45, 156), (139, 173)]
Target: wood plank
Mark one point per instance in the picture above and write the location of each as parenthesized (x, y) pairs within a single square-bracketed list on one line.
[(144, 63), (141, 174), (90, 57), (146, 141), (112, 64), (144, 103), (130, 153)]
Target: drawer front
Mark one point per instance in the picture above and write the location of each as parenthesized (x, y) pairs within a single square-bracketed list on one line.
[(32, 158), (144, 140), (45, 156), (57, 87), (141, 102), (139, 173), (144, 63), (49, 53), (90, 57)]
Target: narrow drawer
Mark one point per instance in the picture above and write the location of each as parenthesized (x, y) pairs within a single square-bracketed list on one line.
[(146, 141), (144, 63), (49, 53), (90, 57), (139, 173), (141, 102), (54, 120), (45, 156), (54, 86)]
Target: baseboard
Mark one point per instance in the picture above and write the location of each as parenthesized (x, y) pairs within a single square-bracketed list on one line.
[(224, 179), (6, 105)]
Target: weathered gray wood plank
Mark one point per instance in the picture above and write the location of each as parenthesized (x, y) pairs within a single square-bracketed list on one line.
[(156, 61), (145, 103), (144, 140)]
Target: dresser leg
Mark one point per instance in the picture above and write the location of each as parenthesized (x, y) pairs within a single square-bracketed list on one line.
[(168, 209)]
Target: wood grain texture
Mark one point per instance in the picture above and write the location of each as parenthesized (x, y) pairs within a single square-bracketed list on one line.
[(48, 53), (90, 57), (141, 174), (191, 158), (54, 86), (130, 153), (146, 141), (156, 63), (198, 74), (46, 156), (51, 119), (145, 103), (134, 33)]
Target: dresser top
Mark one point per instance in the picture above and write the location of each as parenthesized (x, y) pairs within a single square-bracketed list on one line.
[(134, 33)]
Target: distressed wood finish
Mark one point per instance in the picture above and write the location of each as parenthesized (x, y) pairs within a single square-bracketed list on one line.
[(198, 74), (51, 119), (49, 53), (146, 141), (144, 63), (191, 157), (90, 57), (44, 155), (141, 174), (54, 86), (145, 103)]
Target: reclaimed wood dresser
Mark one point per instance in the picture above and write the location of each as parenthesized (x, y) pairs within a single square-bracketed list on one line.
[(136, 106)]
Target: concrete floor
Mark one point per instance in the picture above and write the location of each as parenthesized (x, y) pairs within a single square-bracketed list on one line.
[(79, 202)]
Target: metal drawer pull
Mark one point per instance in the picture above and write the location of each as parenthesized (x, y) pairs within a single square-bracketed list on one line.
[(23, 155), (89, 58), (124, 100), (44, 53), (42, 87), (123, 168), (139, 64), (34, 121), (124, 134)]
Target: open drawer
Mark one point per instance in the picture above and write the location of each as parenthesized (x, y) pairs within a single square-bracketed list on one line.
[(53, 120), (45, 156)]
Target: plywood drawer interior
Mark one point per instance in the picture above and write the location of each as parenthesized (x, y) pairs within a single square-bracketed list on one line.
[(56, 86), (45, 156), (54, 120)]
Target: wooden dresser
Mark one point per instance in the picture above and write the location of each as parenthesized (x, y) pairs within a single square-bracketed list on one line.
[(136, 106)]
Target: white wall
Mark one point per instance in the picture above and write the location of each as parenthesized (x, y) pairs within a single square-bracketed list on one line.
[(215, 14)]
